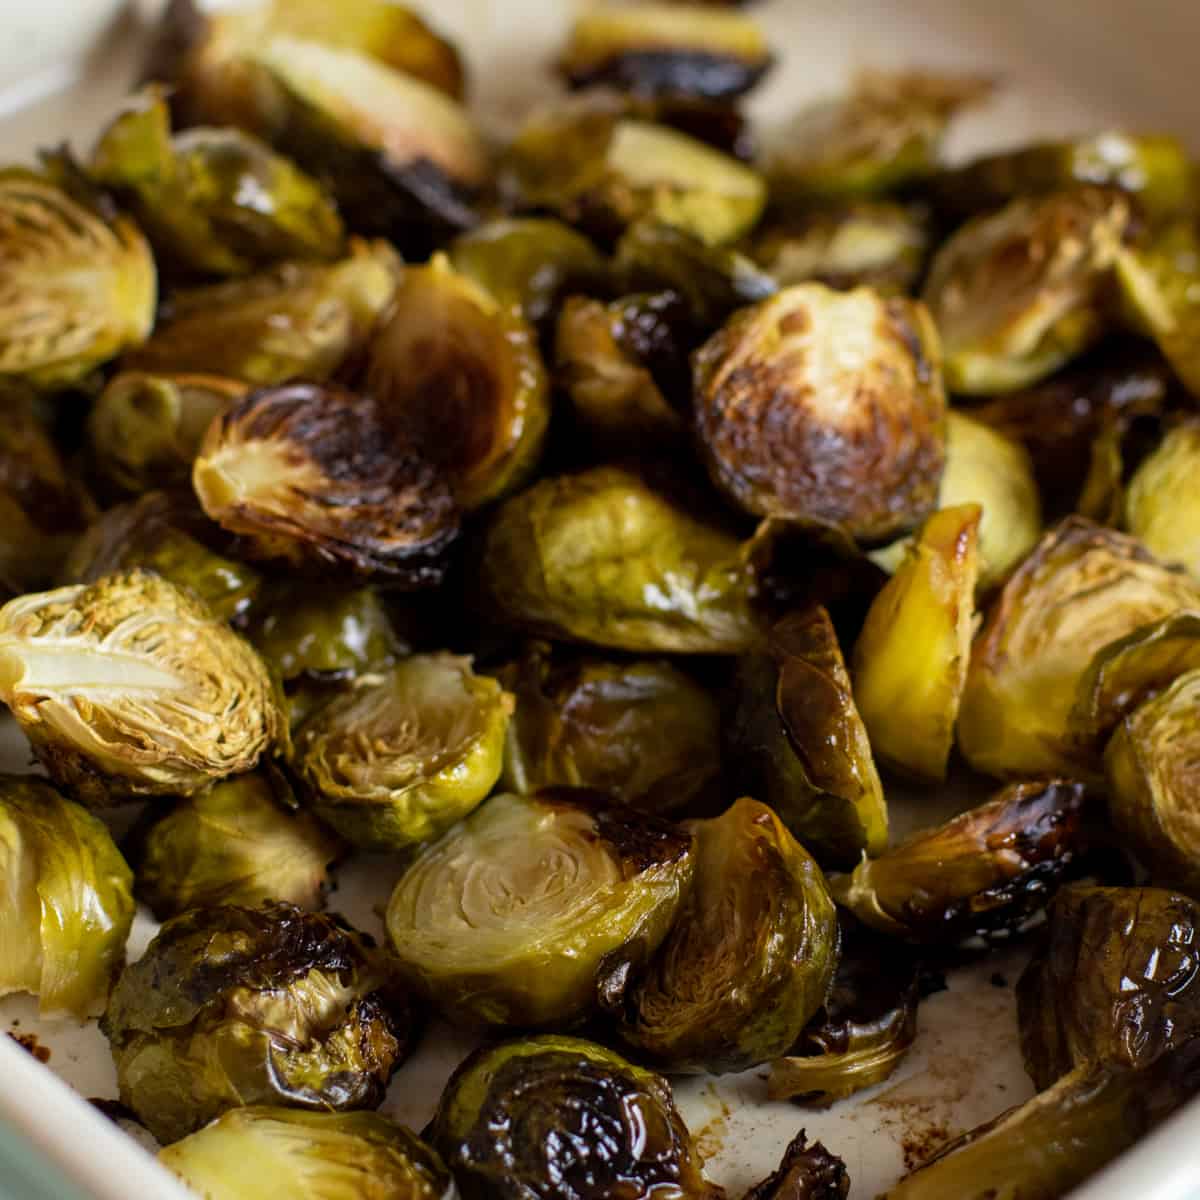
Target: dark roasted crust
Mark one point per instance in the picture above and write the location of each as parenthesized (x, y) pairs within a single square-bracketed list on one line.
[(675, 73)]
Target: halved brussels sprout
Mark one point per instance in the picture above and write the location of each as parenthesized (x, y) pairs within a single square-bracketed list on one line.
[(297, 319), (750, 957), (826, 408), (666, 49), (602, 557), (911, 658), (1162, 502), (271, 1005), (462, 375), (78, 285), (259, 1153), (1082, 588), (1016, 294), (537, 908), (798, 738), (987, 869), (129, 686), (242, 842), (67, 900), (553, 1116), (403, 756), (312, 475), (806, 1173), (642, 731)]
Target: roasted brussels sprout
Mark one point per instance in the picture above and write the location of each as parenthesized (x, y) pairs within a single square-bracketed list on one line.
[(750, 957), (602, 557), (536, 908), (911, 658), (642, 731), (233, 1006), (129, 686), (67, 900), (297, 319), (560, 1116), (403, 756), (242, 842), (1162, 503), (312, 475), (463, 377), (259, 1153), (78, 284), (806, 1173), (1082, 588), (1016, 294), (798, 739), (985, 870), (826, 408)]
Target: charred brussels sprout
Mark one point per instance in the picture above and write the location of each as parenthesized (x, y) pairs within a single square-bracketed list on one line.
[(560, 1116), (232, 1006), (806, 1173), (1016, 294), (258, 1152), (1162, 504), (641, 731), (826, 408), (987, 869), (312, 476), (750, 957), (463, 377), (67, 900), (535, 909), (403, 756), (78, 284), (911, 658), (242, 842), (129, 686)]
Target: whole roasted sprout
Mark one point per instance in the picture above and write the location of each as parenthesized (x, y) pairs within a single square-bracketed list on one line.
[(537, 908), (806, 1173), (911, 658), (462, 375), (67, 900), (259, 1152), (1162, 505), (560, 1116), (402, 757), (241, 842), (129, 686), (642, 731), (750, 957), (987, 869), (1015, 294), (312, 475), (78, 284), (825, 408)]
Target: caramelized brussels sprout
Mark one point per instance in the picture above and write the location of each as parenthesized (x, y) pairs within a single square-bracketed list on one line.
[(259, 1153), (987, 869), (602, 557), (129, 686), (666, 49), (399, 759), (825, 408), (271, 1005), (463, 377), (1016, 294), (536, 908), (750, 957), (297, 319), (67, 900), (1162, 504), (242, 842), (798, 738), (642, 731), (911, 658), (1082, 588), (78, 284), (806, 1173), (557, 1115), (312, 475)]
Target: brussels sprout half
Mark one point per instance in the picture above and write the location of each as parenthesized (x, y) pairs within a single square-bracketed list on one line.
[(67, 900), (1162, 503), (536, 908)]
